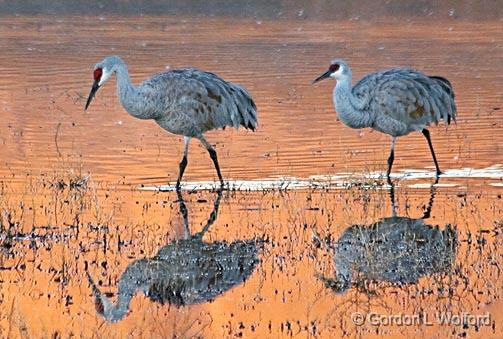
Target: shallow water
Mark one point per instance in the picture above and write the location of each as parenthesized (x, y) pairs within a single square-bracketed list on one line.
[(75, 185)]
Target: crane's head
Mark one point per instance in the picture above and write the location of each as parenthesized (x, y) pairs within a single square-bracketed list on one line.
[(111, 312), (338, 70), (102, 72)]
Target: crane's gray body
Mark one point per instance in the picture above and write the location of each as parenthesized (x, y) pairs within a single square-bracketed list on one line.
[(196, 102), (190, 271), (184, 272), (394, 102), (396, 250), (186, 102)]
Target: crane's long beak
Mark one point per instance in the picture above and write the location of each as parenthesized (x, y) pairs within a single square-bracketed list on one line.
[(97, 295), (94, 89), (323, 76)]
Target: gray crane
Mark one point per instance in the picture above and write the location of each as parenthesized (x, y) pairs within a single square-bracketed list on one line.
[(395, 249), (186, 102), (395, 102), (186, 271)]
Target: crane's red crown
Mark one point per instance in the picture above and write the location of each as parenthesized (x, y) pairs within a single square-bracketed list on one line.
[(334, 67), (97, 74)]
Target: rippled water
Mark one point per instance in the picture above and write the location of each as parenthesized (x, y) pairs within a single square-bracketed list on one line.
[(74, 199)]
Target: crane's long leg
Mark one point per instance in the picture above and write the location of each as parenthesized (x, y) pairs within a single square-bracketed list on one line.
[(213, 156), (392, 198), (185, 214), (390, 159), (426, 134), (183, 163), (213, 216), (427, 212)]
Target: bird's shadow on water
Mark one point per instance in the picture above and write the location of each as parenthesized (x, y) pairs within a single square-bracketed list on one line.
[(184, 272), (397, 250)]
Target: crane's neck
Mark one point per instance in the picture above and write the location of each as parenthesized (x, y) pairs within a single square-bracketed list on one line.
[(136, 277), (350, 109), (130, 96)]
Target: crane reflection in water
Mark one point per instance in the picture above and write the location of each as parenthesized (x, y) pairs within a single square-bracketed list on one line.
[(395, 249), (184, 272)]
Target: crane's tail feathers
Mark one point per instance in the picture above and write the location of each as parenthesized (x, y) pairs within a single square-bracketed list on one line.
[(246, 109), (449, 111), (446, 84), (249, 119)]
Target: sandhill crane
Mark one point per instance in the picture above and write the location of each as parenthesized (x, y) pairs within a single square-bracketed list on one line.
[(184, 272), (397, 250), (186, 102), (394, 102)]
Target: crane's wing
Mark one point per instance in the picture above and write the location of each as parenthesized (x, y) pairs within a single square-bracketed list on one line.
[(205, 98), (407, 96)]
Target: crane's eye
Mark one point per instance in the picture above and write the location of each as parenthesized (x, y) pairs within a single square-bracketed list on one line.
[(334, 68), (97, 74)]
